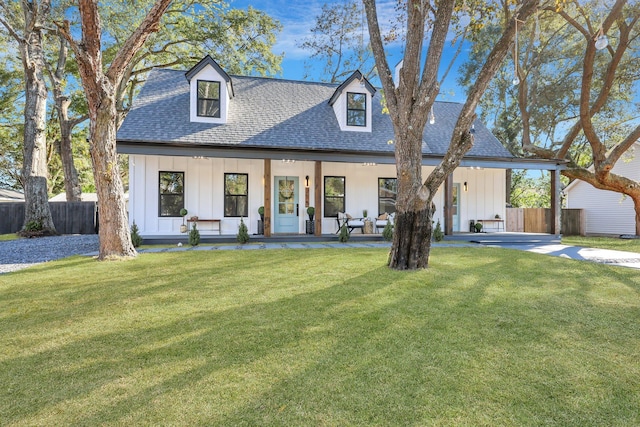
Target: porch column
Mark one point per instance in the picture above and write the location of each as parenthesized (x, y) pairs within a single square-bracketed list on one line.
[(317, 197), (267, 197), (556, 203), (448, 203)]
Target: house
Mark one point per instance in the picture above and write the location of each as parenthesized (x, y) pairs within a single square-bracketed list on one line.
[(222, 146), (607, 212), (7, 195)]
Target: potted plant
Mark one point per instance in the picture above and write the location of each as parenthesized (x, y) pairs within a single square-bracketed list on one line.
[(364, 213), (183, 213), (497, 216), (261, 213), (311, 212), (478, 227)]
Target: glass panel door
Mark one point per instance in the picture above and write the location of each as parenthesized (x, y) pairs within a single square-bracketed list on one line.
[(286, 219), (456, 207)]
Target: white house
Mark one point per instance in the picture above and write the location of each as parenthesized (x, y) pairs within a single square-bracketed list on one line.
[(222, 146), (607, 212)]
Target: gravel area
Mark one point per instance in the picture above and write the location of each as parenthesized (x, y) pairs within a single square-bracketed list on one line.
[(23, 253)]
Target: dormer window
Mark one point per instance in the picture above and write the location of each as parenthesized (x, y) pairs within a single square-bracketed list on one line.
[(352, 104), (208, 99), (356, 109), (210, 92)]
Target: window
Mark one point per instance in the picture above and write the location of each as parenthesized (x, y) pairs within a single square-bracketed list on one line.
[(356, 109), (236, 194), (333, 195), (387, 193), (208, 99), (171, 193)]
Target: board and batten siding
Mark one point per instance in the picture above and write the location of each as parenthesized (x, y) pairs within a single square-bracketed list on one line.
[(204, 188), (607, 212)]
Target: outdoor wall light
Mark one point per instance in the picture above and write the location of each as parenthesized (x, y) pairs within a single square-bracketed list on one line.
[(466, 187), (306, 181)]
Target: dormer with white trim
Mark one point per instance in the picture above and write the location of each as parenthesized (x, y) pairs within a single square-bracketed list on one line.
[(352, 103), (210, 92)]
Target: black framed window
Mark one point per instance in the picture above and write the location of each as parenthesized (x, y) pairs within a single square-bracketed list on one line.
[(356, 109), (208, 99), (333, 195), (387, 194), (171, 187), (236, 194)]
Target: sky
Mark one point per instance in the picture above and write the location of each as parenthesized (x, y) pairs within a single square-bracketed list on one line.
[(298, 17)]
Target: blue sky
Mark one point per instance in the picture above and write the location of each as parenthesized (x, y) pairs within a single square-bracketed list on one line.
[(298, 17)]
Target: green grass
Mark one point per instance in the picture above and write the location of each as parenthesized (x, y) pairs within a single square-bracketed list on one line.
[(326, 337), (629, 245), (7, 237)]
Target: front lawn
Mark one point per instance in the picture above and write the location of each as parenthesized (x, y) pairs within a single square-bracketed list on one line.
[(326, 337)]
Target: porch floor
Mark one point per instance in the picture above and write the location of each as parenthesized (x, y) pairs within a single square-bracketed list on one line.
[(503, 238)]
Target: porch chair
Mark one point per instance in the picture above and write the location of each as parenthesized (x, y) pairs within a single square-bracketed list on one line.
[(381, 221), (352, 223)]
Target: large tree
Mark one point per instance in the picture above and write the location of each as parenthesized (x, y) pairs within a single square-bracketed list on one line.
[(58, 77), (409, 104), (100, 87), (576, 99), (26, 23)]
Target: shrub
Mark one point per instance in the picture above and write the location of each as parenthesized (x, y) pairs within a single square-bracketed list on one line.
[(478, 227), (194, 236), (387, 232), (438, 235), (136, 239), (33, 225), (343, 237), (243, 232)]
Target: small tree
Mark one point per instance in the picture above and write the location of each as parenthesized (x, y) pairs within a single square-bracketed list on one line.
[(343, 237), (243, 233), (136, 239), (194, 236), (387, 232), (438, 235)]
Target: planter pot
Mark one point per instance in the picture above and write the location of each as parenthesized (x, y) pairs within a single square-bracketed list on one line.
[(310, 227), (183, 228)]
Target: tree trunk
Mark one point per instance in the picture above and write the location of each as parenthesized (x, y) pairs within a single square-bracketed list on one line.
[(34, 168), (72, 187), (115, 238), (413, 223)]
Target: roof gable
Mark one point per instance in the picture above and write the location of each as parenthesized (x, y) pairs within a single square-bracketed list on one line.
[(357, 75), (208, 60)]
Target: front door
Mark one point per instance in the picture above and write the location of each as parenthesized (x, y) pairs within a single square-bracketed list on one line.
[(286, 205), (456, 207)]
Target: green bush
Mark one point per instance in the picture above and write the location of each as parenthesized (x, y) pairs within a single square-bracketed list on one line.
[(194, 236), (243, 233), (33, 225), (343, 237), (136, 239), (438, 235), (478, 227), (387, 232)]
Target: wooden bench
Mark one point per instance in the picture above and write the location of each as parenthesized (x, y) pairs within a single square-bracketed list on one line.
[(212, 221), (497, 221)]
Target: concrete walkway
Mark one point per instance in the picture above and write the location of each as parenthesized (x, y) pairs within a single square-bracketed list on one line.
[(603, 256)]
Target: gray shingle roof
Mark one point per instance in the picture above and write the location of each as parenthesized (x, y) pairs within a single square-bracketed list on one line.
[(283, 114)]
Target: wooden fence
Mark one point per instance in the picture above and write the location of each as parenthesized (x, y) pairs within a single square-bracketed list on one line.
[(538, 220), (68, 217)]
